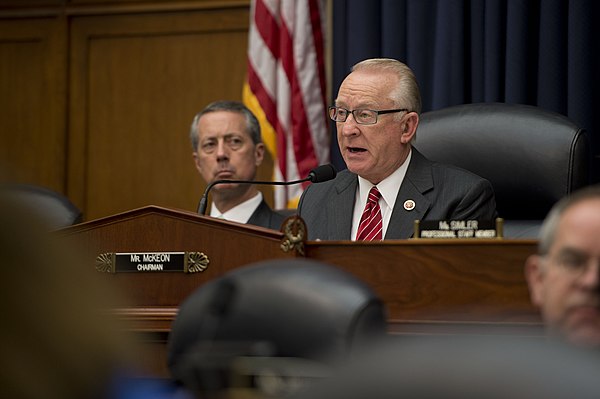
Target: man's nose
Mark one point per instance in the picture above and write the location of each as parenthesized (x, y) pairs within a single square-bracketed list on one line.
[(349, 127), (222, 150)]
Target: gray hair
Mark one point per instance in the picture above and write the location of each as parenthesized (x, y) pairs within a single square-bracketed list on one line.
[(407, 93), (550, 225), (252, 125)]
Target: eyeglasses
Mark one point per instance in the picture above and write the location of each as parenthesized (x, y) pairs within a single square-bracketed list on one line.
[(575, 263), (361, 116)]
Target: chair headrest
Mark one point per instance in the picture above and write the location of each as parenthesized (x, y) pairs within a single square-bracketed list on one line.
[(53, 208), (531, 156), (300, 308)]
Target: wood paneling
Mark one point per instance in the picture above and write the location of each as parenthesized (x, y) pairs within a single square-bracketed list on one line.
[(97, 97), (150, 3), (33, 101), (29, 3), (136, 82)]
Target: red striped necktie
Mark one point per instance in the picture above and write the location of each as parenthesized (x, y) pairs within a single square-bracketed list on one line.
[(371, 223)]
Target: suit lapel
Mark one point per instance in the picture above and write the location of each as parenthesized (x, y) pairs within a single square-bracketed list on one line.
[(418, 180), (261, 215), (341, 207)]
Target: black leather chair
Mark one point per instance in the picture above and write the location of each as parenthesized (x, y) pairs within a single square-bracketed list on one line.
[(56, 210), (295, 309), (532, 157)]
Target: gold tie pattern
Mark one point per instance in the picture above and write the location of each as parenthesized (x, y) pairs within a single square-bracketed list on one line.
[(371, 222)]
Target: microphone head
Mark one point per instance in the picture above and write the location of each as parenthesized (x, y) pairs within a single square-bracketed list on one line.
[(322, 173)]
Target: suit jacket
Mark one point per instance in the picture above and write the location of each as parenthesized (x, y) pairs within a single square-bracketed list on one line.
[(264, 216), (440, 192)]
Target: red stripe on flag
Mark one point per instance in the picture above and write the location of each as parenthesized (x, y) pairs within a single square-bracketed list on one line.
[(286, 50), (268, 27), (317, 30)]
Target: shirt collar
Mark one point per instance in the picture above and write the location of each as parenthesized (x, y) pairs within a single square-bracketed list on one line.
[(240, 213), (388, 187)]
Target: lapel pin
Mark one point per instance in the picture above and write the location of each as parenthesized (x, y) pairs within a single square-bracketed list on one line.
[(409, 205)]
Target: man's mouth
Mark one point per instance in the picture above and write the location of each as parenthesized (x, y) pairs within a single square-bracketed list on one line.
[(224, 174), (588, 310), (356, 150), (584, 312)]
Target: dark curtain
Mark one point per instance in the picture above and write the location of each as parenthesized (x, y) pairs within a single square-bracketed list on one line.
[(537, 52)]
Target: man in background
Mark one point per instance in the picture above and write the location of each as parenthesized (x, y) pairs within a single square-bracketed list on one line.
[(388, 184), (227, 145), (564, 277)]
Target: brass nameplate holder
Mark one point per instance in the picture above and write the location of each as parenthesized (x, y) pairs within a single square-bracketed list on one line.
[(459, 228), (151, 262), (294, 230)]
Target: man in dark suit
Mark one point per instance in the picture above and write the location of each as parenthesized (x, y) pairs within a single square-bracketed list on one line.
[(388, 184), (227, 144)]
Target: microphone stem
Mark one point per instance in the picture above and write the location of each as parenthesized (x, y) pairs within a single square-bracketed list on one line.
[(204, 200)]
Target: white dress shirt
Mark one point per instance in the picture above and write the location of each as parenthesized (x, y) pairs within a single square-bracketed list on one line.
[(240, 213), (388, 188)]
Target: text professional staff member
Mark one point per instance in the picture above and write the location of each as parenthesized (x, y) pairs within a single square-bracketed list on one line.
[(227, 144), (376, 114)]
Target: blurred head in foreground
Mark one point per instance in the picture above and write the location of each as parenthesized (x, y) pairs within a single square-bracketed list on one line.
[(564, 277), (56, 341)]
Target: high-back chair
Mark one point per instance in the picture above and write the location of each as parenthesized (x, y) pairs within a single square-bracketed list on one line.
[(531, 156), (295, 309), (53, 208)]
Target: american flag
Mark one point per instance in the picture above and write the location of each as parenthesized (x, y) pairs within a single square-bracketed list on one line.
[(286, 88)]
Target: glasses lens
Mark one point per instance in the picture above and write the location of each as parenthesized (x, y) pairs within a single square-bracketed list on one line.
[(332, 113), (338, 114), (365, 116)]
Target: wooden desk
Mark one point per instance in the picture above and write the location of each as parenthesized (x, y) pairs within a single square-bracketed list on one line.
[(429, 286), (443, 286)]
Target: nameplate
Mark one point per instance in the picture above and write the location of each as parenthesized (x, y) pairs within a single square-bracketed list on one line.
[(456, 229), (151, 262)]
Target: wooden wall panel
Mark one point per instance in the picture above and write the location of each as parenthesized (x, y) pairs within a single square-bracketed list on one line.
[(136, 82), (29, 3), (33, 101)]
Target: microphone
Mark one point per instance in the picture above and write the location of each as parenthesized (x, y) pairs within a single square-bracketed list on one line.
[(317, 175)]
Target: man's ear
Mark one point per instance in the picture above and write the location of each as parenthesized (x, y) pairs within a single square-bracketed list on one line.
[(259, 153), (409, 127), (535, 275)]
